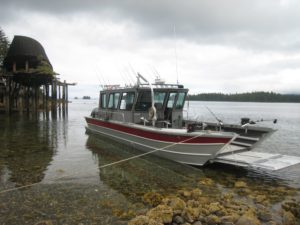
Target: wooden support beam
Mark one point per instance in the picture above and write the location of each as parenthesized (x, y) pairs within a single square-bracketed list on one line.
[(27, 96), (47, 96), (21, 100), (67, 97), (14, 69), (59, 96), (26, 66), (7, 97), (64, 94)]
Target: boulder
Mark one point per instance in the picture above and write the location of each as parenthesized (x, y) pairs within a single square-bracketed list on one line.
[(206, 182), (196, 193), (249, 218), (227, 219), (293, 207), (288, 218), (240, 184), (213, 220), (143, 220), (175, 203), (197, 223), (178, 219), (191, 214), (152, 198), (260, 199), (161, 213), (44, 222), (193, 204), (214, 207), (264, 215)]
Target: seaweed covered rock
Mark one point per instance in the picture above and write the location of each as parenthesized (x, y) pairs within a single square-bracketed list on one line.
[(152, 198), (191, 214), (240, 184), (213, 219), (214, 207), (176, 204), (44, 222), (143, 220), (249, 218), (293, 207), (161, 213), (264, 215), (196, 193), (206, 182), (288, 218)]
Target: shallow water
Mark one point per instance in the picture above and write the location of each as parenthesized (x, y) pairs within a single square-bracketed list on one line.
[(62, 165)]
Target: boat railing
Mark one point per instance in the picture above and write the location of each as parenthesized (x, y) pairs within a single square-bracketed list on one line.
[(161, 85)]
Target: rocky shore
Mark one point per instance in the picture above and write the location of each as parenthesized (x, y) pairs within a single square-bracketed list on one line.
[(210, 204)]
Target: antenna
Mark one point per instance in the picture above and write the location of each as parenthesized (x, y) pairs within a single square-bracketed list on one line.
[(99, 78), (133, 71), (157, 74), (176, 60)]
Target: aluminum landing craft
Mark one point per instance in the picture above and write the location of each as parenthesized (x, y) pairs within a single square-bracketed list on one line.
[(149, 117)]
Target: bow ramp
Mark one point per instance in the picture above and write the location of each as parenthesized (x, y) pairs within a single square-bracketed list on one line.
[(259, 160)]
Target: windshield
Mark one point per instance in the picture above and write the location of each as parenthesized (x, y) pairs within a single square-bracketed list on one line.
[(159, 98), (180, 100)]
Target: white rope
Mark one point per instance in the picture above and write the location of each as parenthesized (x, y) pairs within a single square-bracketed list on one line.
[(106, 165)]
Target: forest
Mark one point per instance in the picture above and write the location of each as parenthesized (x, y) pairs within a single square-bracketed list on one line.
[(246, 97)]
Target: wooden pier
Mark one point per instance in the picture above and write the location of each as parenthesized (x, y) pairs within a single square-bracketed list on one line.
[(28, 82)]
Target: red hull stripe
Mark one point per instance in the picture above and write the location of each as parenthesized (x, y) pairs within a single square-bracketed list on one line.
[(157, 136)]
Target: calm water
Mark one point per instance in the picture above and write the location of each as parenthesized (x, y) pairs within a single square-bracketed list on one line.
[(62, 162)]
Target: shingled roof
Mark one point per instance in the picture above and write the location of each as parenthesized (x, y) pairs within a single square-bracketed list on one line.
[(24, 48)]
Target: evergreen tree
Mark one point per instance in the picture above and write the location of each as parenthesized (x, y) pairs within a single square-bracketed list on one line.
[(4, 45), (247, 97)]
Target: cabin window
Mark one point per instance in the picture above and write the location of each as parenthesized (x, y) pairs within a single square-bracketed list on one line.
[(159, 98), (127, 100), (113, 100), (103, 101), (171, 100), (180, 100), (116, 100), (144, 101)]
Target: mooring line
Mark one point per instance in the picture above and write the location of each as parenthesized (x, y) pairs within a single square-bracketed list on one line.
[(106, 165)]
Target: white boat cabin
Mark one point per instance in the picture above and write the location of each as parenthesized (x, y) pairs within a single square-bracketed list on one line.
[(159, 104)]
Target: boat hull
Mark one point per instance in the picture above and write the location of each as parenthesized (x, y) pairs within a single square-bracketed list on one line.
[(194, 149)]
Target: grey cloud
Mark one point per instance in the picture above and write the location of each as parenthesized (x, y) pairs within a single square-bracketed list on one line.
[(262, 24)]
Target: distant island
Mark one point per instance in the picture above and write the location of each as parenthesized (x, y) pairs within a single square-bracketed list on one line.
[(86, 97), (246, 97)]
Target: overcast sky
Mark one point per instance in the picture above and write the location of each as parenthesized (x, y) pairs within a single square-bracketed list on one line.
[(217, 46)]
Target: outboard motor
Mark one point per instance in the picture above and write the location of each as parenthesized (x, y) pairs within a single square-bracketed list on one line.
[(94, 112)]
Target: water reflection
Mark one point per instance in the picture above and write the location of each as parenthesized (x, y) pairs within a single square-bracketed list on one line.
[(27, 145), (138, 176)]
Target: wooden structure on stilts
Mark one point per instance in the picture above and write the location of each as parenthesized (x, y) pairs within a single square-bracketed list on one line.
[(28, 82)]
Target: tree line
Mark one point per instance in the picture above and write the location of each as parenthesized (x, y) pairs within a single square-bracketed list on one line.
[(246, 97)]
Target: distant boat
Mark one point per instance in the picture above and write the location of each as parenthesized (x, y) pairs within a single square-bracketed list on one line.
[(86, 97)]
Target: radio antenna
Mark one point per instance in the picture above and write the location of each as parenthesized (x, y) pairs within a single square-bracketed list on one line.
[(176, 58)]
